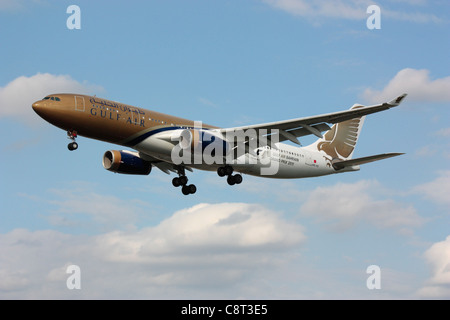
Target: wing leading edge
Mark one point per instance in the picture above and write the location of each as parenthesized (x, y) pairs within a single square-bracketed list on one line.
[(291, 129)]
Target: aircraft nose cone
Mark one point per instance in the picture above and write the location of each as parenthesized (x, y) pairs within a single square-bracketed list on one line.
[(40, 107), (37, 105)]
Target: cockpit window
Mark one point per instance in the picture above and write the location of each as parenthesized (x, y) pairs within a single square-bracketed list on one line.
[(52, 98)]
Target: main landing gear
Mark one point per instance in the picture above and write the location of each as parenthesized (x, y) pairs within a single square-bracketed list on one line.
[(228, 171), (182, 181), (72, 134)]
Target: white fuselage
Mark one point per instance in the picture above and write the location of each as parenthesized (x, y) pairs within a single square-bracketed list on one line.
[(287, 162), (280, 162)]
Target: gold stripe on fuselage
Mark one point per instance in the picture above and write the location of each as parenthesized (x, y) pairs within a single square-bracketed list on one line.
[(107, 120)]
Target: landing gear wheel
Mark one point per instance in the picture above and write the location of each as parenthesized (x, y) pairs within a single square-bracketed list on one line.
[(190, 189), (72, 146), (183, 180), (72, 135), (176, 182), (237, 178), (228, 170), (225, 171), (221, 172), (185, 190)]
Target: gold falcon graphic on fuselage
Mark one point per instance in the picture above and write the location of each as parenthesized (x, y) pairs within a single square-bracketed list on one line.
[(174, 144)]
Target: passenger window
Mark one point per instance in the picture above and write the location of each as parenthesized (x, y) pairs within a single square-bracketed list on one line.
[(57, 99)]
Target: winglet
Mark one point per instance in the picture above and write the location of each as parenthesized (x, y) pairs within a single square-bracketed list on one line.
[(397, 100)]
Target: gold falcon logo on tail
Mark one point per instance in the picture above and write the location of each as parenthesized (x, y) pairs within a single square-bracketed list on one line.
[(339, 142)]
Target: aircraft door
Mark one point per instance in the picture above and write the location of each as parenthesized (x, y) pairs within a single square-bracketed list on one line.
[(133, 115), (308, 159), (79, 103)]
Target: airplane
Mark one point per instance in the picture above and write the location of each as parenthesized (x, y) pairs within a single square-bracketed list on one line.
[(173, 144)]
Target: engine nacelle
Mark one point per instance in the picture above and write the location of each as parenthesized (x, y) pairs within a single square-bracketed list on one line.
[(126, 162)]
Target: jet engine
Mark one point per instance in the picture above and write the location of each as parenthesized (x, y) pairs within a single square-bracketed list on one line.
[(126, 162)]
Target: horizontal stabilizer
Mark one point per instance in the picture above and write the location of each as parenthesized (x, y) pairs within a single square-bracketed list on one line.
[(354, 162)]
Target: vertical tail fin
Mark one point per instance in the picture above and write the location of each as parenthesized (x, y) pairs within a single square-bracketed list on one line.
[(339, 142)]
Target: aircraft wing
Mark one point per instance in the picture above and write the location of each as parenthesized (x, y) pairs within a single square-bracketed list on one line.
[(291, 129)]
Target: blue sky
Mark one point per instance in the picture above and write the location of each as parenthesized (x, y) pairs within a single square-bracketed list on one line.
[(227, 63)]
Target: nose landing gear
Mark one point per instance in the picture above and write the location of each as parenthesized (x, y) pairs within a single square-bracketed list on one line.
[(72, 134)]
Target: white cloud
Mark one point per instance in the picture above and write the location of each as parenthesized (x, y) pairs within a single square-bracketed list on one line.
[(105, 210), (18, 95), (438, 256), (323, 8), (426, 151), (227, 226), (412, 2), (82, 208), (19, 5), (9, 5), (443, 132), (351, 10), (416, 83), (416, 17), (343, 206), (206, 251), (436, 190)]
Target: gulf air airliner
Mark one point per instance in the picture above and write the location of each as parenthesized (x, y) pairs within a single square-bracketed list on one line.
[(173, 144)]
